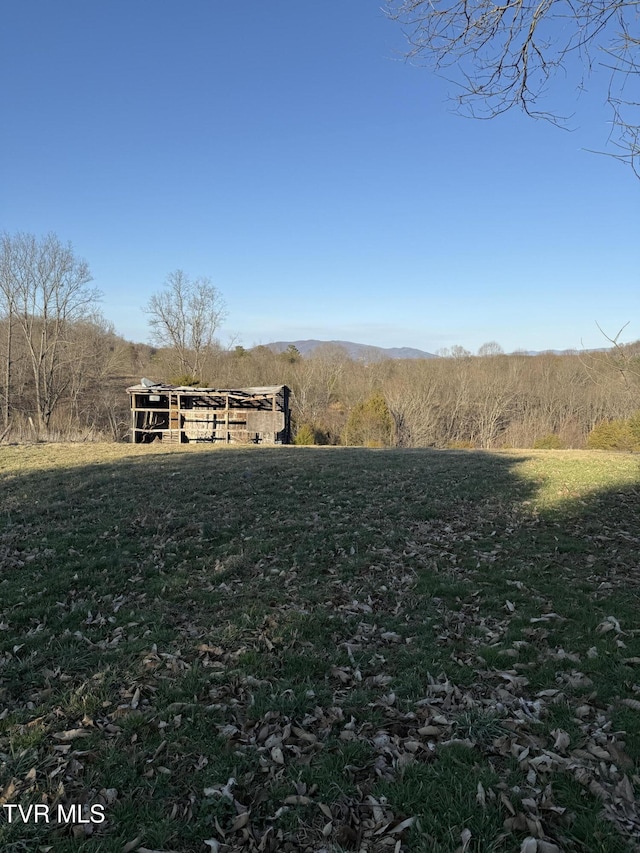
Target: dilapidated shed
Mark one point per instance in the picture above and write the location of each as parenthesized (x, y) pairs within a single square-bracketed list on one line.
[(180, 414)]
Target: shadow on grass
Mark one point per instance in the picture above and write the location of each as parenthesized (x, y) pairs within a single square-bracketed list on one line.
[(159, 519)]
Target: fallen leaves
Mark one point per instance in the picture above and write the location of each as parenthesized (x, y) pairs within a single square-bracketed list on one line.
[(71, 734), (132, 845), (562, 739), (609, 624)]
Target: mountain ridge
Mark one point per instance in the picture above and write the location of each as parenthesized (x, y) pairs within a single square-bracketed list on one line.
[(369, 352), (355, 350)]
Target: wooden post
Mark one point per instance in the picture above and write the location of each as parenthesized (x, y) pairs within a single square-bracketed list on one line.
[(174, 418)]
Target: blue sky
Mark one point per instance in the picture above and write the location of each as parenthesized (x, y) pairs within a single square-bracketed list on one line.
[(326, 187)]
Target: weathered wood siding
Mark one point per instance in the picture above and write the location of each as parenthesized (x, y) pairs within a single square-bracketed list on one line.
[(182, 414)]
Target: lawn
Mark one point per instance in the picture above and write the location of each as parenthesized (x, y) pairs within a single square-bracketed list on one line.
[(319, 649)]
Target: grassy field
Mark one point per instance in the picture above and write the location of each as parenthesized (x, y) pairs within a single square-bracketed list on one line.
[(320, 649)]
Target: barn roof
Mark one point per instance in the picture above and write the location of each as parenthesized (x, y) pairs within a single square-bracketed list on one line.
[(161, 387)]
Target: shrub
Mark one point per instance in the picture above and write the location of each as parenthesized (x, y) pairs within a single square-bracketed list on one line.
[(634, 427), (370, 424), (551, 441), (460, 445), (305, 435), (613, 435)]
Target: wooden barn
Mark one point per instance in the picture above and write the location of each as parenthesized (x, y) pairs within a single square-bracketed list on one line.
[(180, 414)]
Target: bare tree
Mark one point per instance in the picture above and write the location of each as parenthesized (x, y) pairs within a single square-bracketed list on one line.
[(623, 357), (620, 363), (492, 399), (413, 402), (456, 351), (7, 310), (186, 316), (49, 291), (92, 398), (316, 382), (505, 54), (490, 348)]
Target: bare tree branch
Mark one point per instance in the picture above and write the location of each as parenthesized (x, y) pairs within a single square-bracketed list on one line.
[(505, 53)]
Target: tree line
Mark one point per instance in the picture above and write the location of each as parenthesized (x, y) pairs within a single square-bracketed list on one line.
[(65, 371), (459, 401)]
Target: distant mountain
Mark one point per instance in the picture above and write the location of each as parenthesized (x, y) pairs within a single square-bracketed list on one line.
[(557, 351), (357, 352)]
